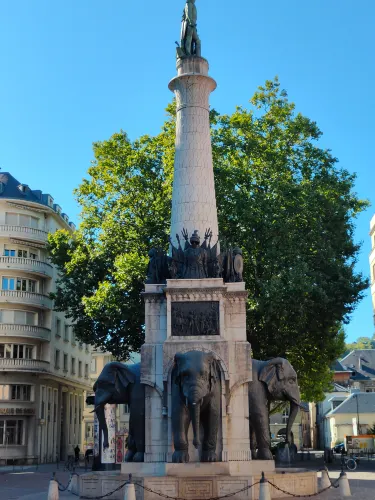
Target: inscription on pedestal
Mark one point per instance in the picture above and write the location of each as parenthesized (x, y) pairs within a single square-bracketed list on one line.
[(197, 489), (167, 486), (195, 318), (228, 487)]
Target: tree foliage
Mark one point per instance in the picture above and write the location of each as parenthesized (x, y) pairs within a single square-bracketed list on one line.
[(280, 197), (361, 343)]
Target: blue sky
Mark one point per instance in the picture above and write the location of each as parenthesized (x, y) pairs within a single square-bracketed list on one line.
[(74, 72)]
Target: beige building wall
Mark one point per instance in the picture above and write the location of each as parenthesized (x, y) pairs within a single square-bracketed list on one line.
[(44, 372), (344, 424)]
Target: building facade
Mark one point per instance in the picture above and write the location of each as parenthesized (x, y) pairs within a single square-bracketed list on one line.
[(44, 372)]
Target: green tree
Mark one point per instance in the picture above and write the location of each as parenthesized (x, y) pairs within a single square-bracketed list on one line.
[(280, 197), (361, 343)]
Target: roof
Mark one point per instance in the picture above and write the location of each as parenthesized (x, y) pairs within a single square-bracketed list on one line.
[(358, 402), (337, 367), (10, 189), (362, 361)]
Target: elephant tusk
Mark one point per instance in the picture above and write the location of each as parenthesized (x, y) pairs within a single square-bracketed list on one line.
[(194, 404)]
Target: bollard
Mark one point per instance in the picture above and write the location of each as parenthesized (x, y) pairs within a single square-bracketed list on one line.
[(344, 487), (264, 489), (73, 484), (53, 489), (325, 482), (129, 490)]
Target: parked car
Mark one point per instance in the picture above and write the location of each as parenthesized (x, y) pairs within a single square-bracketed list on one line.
[(339, 448)]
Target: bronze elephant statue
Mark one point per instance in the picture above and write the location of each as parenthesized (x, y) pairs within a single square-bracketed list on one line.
[(196, 399), (119, 383), (273, 380)]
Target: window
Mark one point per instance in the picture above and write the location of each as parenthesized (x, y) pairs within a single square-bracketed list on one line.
[(21, 392), (33, 255), (8, 283), (285, 415), (93, 365), (19, 284), (19, 351), (58, 327), (126, 409), (65, 362), (11, 219), (66, 333), (9, 252), (11, 432), (73, 366), (43, 403), (79, 368), (86, 370), (57, 359), (22, 253), (24, 318), (21, 220)]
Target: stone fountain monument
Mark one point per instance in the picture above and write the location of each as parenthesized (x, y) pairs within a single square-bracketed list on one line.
[(189, 418)]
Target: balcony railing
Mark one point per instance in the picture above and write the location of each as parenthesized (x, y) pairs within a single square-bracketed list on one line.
[(29, 265), (31, 298), (32, 331), (15, 364), (23, 232)]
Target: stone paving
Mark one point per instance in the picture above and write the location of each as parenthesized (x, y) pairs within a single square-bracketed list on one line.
[(32, 484)]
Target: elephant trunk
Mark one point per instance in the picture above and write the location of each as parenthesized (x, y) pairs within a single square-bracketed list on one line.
[(195, 410), (294, 407), (99, 410)]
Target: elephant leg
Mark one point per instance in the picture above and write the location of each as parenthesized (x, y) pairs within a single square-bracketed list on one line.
[(260, 423), (210, 416), (253, 441), (103, 424), (180, 427), (132, 449), (137, 421)]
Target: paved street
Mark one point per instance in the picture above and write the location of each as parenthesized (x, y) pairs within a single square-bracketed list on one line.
[(32, 484)]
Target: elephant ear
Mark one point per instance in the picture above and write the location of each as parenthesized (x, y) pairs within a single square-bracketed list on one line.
[(176, 369), (272, 372), (123, 377), (214, 370)]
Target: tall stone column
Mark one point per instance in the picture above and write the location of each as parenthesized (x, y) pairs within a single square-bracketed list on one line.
[(193, 198)]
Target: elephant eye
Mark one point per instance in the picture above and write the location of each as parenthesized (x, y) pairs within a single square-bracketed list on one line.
[(291, 380)]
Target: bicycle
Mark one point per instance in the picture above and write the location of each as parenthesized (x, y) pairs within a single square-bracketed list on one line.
[(350, 463), (70, 464)]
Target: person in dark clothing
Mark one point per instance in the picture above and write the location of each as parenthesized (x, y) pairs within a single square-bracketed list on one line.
[(76, 453)]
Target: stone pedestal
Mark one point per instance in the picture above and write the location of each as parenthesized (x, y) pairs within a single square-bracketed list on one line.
[(227, 342), (199, 481), (193, 199)]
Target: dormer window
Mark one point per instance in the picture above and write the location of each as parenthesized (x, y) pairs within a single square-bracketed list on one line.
[(23, 188)]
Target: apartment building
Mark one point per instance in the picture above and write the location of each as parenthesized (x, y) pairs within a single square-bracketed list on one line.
[(44, 371)]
